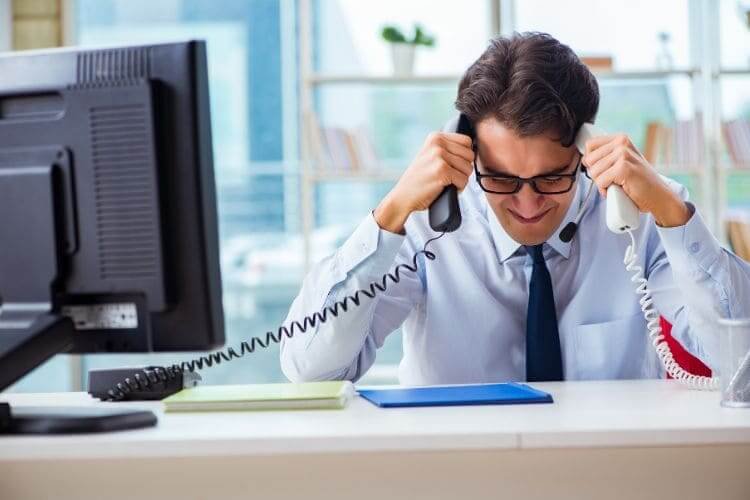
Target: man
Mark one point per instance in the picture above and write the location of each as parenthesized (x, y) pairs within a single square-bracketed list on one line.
[(505, 297)]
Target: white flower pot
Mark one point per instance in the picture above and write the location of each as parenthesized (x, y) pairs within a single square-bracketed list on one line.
[(402, 55)]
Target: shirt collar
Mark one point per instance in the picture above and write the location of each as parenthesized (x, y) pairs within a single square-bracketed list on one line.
[(507, 246)]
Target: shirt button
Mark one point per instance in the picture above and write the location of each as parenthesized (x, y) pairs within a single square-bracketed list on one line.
[(695, 247)]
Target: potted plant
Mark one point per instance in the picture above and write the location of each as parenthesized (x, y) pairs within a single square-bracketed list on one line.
[(403, 49)]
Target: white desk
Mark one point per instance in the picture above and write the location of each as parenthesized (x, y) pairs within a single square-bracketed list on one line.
[(599, 440)]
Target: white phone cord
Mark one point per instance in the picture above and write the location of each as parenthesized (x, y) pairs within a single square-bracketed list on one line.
[(654, 329)]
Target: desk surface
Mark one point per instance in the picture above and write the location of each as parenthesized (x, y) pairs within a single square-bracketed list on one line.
[(644, 413)]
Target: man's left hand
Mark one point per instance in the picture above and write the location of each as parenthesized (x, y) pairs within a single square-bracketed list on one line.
[(613, 159)]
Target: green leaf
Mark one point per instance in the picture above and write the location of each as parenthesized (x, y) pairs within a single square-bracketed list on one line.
[(421, 38), (392, 34)]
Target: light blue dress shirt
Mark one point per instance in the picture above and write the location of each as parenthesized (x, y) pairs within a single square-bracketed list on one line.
[(464, 313)]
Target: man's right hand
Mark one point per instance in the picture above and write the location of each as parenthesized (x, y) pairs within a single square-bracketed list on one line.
[(445, 159)]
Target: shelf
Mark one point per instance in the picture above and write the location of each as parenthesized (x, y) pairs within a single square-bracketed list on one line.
[(355, 175), (321, 79), (720, 169), (644, 74), (317, 79), (734, 71)]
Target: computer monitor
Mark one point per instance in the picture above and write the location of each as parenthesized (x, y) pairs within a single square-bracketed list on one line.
[(108, 226)]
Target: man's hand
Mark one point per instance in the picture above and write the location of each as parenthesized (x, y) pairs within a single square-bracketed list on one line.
[(613, 159), (445, 159)]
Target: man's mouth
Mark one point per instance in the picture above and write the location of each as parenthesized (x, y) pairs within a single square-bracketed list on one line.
[(529, 220)]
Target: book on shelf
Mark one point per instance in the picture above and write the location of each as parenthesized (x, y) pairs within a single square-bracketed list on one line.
[(737, 140), (341, 149), (679, 147), (365, 149), (598, 63), (329, 146), (656, 149), (738, 231)]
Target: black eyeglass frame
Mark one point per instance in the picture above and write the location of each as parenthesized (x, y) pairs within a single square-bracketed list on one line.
[(520, 181)]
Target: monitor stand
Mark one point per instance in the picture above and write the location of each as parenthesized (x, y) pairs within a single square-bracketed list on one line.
[(71, 419), (25, 349), (31, 328)]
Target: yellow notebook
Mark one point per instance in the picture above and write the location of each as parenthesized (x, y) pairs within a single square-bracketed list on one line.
[(309, 395)]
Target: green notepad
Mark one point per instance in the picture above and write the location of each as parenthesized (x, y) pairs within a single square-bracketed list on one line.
[(309, 395)]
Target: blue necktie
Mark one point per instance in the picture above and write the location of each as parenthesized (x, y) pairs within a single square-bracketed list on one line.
[(543, 358)]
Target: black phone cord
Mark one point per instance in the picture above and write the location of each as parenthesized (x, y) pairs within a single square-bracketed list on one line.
[(144, 379)]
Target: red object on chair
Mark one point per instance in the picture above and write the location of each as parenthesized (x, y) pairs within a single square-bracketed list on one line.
[(686, 360)]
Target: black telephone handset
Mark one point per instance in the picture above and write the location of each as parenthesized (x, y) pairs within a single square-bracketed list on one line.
[(444, 213)]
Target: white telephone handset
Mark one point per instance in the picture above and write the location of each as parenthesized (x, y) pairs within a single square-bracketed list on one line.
[(623, 217), (622, 214)]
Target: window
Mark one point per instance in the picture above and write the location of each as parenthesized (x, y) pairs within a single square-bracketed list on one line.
[(260, 84)]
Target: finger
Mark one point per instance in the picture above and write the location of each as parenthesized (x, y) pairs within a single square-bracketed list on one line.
[(462, 139), (598, 141), (459, 163), (601, 165), (590, 158), (459, 180), (608, 177), (446, 175), (459, 149)]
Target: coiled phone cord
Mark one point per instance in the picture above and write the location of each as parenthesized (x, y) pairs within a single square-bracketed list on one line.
[(144, 379), (654, 328)]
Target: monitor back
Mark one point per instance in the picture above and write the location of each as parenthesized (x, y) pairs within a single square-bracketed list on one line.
[(128, 133)]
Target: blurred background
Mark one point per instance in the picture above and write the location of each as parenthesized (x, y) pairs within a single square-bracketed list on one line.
[(318, 105)]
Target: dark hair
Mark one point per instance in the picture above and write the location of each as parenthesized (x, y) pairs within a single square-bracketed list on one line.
[(532, 84)]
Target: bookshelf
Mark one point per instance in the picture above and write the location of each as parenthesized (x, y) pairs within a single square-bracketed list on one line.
[(704, 75), (310, 80)]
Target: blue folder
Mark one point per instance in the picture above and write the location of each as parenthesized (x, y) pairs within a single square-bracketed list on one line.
[(456, 395)]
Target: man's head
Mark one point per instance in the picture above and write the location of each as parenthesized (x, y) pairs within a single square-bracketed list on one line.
[(527, 96)]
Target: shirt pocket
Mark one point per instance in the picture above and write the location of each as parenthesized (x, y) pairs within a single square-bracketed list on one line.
[(611, 350)]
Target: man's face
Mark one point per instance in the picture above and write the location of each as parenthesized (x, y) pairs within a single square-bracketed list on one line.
[(528, 217)]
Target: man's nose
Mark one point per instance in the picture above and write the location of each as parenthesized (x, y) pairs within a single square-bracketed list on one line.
[(527, 202)]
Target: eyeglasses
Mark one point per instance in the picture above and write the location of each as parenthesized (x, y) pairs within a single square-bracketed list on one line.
[(542, 184)]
